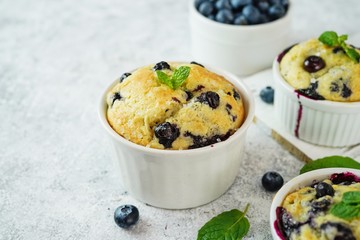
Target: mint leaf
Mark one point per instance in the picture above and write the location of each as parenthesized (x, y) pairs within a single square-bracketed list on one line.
[(353, 54), (164, 78), (329, 38), (331, 161), (179, 76), (342, 39), (349, 207), (227, 225)]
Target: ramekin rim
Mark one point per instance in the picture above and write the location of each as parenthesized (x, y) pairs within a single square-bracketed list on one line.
[(250, 113)]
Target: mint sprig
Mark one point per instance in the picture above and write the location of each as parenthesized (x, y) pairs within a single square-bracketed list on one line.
[(349, 207), (331, 161), (332, 39), (227, 225), (177, 79)]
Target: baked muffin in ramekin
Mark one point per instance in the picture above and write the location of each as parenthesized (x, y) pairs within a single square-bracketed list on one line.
[(317, 96)]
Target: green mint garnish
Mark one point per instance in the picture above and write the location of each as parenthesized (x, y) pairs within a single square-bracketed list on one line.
[(227, 225), (177, 79), (329, 162), (349, 207), (331, 39)]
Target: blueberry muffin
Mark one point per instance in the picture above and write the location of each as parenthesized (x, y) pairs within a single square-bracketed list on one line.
[(321, 72), (203, 110), (306, 213)]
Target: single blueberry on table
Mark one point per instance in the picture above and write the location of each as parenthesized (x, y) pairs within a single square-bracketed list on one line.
[(267, 94), (126, 216), (224, 16), (252, 14), (276, 11), (124, 76), (272, 181), (238, 4), (161, 66), (222, 4), (323, 189), (240, 20), (206, 8)]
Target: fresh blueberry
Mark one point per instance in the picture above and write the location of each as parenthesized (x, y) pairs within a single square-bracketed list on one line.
[(272, 181), (222, 4), (124, 76), (115, 97), (198, 2), (166, 133), (276, 11), (161, 66), (323, 189), (210, 98), (264, 18), (273, 2), (238, 4), (126, 216), (192, 62), (337, 231), (263, 6), (224, 16), (267, 94), (206, 8), (252, 14), (313, 64), (285, 3), (240, 20)]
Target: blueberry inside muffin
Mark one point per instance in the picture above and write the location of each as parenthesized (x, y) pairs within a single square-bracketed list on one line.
[(205, 109), (321, 72), (306, 213)]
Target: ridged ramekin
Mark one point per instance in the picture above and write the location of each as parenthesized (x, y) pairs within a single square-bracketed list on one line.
[(321, 122), (240, 49), (178, 179), (305, 179)]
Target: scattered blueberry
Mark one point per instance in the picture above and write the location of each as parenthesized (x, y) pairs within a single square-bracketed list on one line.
[(272, 181), (206, 8), (267, 94), (252, 14), (124, 76), (210, 98), (224, 16), (240, 20), (192, 62), (115, 97), (126, 216), (336, 231), (222, 4), (161, 66), (238, 4), (323, 189), (166, 133), (313, 64)]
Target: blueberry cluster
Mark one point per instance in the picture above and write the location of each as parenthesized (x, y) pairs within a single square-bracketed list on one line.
[(242, 12)]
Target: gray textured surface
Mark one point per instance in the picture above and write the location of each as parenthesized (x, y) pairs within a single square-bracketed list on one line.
[(57, 180)]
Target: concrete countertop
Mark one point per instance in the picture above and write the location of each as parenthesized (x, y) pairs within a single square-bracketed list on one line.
[(57, 179)]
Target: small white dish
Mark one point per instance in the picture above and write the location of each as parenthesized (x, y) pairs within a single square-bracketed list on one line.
[(178, 179), (242, 50), (321, 122), (302, 180)]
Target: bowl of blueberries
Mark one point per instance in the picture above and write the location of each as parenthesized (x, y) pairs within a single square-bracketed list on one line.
[(241, 36)]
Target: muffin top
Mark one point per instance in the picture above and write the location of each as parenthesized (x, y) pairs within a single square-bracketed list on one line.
[(203, 110), (322, 72), (308, 212)]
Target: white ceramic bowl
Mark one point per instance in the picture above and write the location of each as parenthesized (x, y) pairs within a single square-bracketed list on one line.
[(321, 122), (178, 179), (302, 180), (242, 50)]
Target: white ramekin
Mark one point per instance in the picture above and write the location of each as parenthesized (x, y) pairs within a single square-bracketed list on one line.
[(302, 180), (242, 50), (178, 179), (321, 122)]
